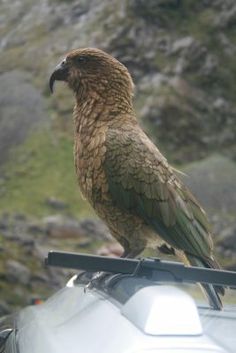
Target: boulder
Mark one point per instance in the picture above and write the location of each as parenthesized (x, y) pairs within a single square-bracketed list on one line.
[(56, 204), (212, 180), (226, 18), (62, 227), (181, 44), (112, 249)]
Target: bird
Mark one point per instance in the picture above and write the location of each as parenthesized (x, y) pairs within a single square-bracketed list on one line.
[(123, 174)]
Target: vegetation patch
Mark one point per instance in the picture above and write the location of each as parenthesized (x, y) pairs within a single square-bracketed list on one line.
[(40, 169)]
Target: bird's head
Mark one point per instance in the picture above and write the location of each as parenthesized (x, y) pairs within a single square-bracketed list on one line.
[(92, 70)]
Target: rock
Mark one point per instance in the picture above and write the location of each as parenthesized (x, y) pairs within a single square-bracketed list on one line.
[(180, 66), (113, 249), (56, 204), (77, 10), (84, 243), (36, 227), (152, 10), (4, 220), (209, 66), (21, 217), (64, 231), (17, 272), (95, 228), (58, 277), (40, 252), (227, 239), (39, 278), (220, 5), (21, 238), (227, 45), (226, 19), (181, 44), (61, 227), (194, 54), (4, 308), (163, 43), (16, 228), (153, 81), (220, 104), (212, 180)]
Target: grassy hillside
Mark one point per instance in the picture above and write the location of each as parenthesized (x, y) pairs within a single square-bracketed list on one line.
[(40, 169)]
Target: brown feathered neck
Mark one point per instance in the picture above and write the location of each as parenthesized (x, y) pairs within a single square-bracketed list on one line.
[(98, 78), (102, 85)]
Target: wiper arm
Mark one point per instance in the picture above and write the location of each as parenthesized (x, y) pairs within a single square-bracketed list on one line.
[(153, 268)]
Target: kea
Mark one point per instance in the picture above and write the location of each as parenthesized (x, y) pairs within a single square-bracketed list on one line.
[(122, 174)]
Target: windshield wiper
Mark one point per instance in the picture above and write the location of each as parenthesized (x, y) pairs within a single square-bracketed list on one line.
[(153, 268)]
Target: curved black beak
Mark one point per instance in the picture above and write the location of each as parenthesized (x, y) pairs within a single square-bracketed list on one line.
[(59, 74)]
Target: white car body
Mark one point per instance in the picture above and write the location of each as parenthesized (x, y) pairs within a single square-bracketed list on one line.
[(151, 318)]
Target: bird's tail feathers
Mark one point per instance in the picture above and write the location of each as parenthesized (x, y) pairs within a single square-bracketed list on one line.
[(212, 292)]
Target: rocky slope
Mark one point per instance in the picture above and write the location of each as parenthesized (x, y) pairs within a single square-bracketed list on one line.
[(181, 56), (25, 243), (180, 53)]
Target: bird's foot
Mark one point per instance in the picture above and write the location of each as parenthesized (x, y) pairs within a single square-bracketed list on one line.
[(95, 280)]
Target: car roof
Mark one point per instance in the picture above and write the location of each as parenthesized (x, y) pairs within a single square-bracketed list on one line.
[(95, 321)]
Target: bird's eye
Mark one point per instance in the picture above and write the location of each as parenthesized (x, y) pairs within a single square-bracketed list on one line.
[(82, 59), (63, 62)]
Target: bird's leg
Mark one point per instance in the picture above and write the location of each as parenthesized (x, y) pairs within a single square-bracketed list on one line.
[(99, 276), (125, 253), (124, 242), (133, 253), (131, 250)]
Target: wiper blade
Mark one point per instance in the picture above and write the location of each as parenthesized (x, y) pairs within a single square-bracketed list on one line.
[(153, 268)]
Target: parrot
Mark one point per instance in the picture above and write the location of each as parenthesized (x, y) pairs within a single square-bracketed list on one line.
[(123, 174)]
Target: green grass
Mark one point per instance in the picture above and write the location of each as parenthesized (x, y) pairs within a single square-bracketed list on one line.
[(41, 168)]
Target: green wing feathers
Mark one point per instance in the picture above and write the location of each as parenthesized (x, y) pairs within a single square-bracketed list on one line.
[(141, 181), (211, 291)]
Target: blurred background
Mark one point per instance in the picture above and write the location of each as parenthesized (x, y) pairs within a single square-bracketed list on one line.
[(181, 54)]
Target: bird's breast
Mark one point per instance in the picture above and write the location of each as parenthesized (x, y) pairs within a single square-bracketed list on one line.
[(89, 156)]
